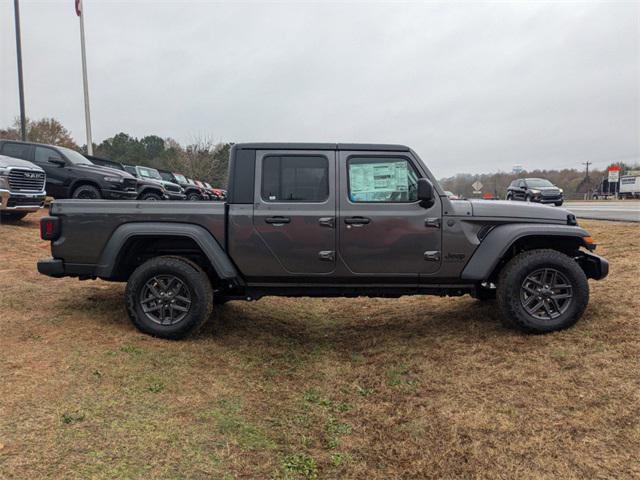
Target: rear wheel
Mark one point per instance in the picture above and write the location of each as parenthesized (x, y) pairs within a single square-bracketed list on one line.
[(541, 291), (169, 297), (87, 192), (13, 216)]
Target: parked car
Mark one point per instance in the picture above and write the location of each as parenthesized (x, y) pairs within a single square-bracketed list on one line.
[(216, 193), (70, 174), (173, 190), (452, 195), (326, 220), (147, 190), (203, 191), (191, 191), (21, 188), (535, 190)]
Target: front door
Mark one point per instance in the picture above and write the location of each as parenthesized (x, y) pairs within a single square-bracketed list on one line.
[(383, 229), (57, 175), (295, 210)]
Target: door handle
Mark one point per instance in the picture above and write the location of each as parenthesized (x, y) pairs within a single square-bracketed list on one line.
[(327, 222), (357, 221), (277, 221)]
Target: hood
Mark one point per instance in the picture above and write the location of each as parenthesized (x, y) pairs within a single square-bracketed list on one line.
[(107, 171), (508, 209), (17, 163)]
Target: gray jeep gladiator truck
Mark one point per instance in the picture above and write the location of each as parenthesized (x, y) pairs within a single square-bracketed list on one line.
[(325, 220)]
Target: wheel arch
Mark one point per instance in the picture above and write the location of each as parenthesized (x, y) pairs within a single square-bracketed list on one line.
[(506, 241), (140, 241)]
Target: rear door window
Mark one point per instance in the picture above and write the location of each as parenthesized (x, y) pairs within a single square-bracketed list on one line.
[(16, 150), (302, 178)]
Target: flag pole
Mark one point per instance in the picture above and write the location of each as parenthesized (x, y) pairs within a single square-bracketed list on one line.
[(87, 115), (23, 118)]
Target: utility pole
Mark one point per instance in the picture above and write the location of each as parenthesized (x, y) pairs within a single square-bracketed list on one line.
[(586, 177), (85, 81), (23, 117)]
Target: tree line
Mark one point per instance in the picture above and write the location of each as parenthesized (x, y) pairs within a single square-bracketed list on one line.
[(202, 159), (206, 160)]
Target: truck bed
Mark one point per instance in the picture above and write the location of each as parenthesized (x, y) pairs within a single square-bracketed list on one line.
[(94, 221)]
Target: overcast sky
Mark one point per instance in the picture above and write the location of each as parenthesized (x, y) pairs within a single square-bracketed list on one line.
[(471, 87)]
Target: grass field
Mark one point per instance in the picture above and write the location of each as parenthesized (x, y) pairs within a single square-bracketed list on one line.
[(418, 387)]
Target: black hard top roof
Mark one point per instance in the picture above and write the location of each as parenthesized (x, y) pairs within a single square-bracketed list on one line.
[(323, 146)]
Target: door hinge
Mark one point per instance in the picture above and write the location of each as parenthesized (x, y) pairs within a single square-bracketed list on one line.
[(327, 255), (432, 222), (432, 255)]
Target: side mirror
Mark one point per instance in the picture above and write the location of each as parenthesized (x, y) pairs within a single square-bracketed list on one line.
[(425, 192), (56, 161)]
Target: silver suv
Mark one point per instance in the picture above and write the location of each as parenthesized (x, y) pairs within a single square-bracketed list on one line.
[(21, 188)]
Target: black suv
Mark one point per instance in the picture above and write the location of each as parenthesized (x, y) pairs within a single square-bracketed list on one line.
[(538, 190), (72, 175), (147, 190)]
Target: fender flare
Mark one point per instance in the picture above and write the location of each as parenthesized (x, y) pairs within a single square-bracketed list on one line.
[(498, 241), (219, 259), (147, 188)]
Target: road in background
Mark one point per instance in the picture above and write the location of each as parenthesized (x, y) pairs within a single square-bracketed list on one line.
[(625, 211)]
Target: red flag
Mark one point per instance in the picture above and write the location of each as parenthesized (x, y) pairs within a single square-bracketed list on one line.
[(78, 7)]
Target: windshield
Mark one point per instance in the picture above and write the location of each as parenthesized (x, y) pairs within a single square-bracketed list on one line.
[(180, 178), (538, 182), (147, 172), (75, 157)]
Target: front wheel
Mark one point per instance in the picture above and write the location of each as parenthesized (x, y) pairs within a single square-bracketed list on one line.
[(559, 204), (169, 297), (509, 196), (194, 197), (542, 291), (87, 192), (150, 196)]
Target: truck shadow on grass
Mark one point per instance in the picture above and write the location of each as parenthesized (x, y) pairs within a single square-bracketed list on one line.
[(342, 325), (465, 319)]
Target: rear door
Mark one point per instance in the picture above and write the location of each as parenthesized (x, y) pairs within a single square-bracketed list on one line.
[(295, 209), (383, 229)]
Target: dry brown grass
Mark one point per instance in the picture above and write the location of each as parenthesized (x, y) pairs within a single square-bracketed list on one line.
[(412, 388)]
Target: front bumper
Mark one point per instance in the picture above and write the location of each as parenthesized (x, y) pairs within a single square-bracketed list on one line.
[(120, 194), (21, 202), (594, 266), (542, 199)]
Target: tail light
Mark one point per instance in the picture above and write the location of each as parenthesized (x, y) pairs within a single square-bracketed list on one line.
[(49, 228)]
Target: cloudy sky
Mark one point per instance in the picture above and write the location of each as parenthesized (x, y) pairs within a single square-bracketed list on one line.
[(473, 87)]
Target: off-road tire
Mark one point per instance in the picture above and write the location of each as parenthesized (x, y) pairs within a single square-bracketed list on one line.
[(192, 277), (511, 280), (150, 196), (12, 216), (87, 192)]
